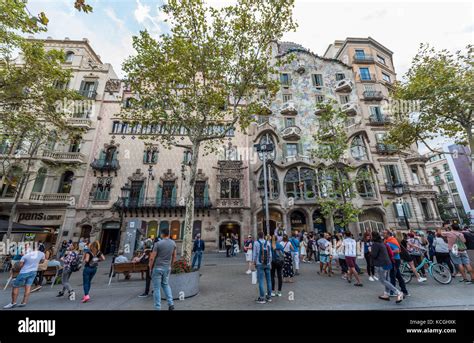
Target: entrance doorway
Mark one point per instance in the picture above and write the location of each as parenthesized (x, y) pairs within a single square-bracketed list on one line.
[(110, 237), (319, 223), (298, 221), (226, 229), (275, 221)]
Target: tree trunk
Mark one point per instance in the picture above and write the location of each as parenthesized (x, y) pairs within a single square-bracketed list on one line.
[(14, 205), (470, 137), (186, 249)]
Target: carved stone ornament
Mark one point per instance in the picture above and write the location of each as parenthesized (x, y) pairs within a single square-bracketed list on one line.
[(137, 176), (200, 176), (112, 85), (169, 176)]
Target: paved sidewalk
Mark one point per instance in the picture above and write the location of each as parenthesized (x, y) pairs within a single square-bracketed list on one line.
[(225, 286)]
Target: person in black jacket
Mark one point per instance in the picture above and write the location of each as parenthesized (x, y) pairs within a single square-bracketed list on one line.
[(382, 263), (198, 249)]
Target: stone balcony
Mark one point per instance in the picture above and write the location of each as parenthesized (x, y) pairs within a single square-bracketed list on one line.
[(84, 123), (230, 203), (344, 86), (350, 108), (52, 198), (291, 133), (63, 157)]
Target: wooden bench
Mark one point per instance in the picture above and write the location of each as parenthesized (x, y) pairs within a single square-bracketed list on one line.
[(127, 268), (51, 271)]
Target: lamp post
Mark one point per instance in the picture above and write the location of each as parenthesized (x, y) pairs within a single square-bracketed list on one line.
[(261, 192), (150, 176), (265, 148), (398, 188), (122, 205)]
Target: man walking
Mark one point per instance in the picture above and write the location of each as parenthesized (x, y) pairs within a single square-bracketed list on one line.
[(262, 258), (28, 269), (198, 249), (395, 271), (161, 259), (350, 252), (295, 253), (324, 247)]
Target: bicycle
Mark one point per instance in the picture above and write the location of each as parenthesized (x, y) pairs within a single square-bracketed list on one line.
[(439, 272)]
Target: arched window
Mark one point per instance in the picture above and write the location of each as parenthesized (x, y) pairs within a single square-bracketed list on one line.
[(292, 184), (10, 182), (66, 182), (39, 180), (365, 183), (310, 187), (358, 149), (272, 184), (69, 56), (265, 139)]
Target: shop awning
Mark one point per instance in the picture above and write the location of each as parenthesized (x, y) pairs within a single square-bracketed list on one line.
[(19, 228)]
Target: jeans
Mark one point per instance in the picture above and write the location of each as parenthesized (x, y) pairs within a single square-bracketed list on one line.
[(160, 278), (296, 259), (278, 269), (147, 281), (444, 258), (65, 280), (263, 272), (370, 266), (197, 258), (396, 275), (383, 278), (87, 275)]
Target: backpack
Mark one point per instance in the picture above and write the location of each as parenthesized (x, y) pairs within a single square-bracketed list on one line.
[(263, 253), (279, 257), (469, 236), (76, 264), (458, 246), (94, 260)]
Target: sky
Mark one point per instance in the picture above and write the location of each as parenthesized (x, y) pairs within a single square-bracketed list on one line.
[(399, 26)]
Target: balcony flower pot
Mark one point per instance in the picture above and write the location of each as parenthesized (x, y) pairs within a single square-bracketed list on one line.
[(183, 281)]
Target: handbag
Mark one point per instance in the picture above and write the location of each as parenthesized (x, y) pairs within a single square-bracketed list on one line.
[(254, 277), (43, 266)]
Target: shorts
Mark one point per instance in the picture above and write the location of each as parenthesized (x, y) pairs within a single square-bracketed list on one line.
[(461, 258), (324, 258), (248, 256), (24, 279), (351, 261)]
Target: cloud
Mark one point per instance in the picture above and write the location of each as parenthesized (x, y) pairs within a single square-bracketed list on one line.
[(110, 12), (142, 12)]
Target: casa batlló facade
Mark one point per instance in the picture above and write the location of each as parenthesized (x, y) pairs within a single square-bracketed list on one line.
[(127, 188)]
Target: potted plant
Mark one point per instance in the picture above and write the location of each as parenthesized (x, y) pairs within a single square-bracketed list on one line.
[(183, 281)]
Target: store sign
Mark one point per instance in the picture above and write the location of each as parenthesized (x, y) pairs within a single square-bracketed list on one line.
[(39, 217)]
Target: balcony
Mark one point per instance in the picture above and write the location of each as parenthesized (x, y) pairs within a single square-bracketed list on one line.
[(289, 109), (435, 172), (105, 165), (291, 133), (439, 182), (295, 159), (379, 120), (422, 188), (382, 148), (366, 78), (230, 203), (366, 58), (344, 86), (83, 123), (372, 95), (51, 198), (63, 157), (89, 94), (390, 187), (350, 108), (153, 203)]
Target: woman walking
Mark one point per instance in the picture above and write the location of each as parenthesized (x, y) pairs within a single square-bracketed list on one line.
[(68, 259), (367, 248), (278, 260), (341, 256), (248, 248), (92, 257), (288, 271), (383, 264), (303, 247), (407, 257), (228, 246)]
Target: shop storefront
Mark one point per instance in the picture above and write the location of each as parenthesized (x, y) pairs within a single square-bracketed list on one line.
[(48, 222)]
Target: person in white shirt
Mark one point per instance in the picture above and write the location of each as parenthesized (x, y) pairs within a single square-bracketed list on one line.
[(29, 267), (350, 252)]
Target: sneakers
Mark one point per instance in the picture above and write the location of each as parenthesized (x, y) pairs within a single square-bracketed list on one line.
[(144, 295), (269, 299), (279, 294), (376, 278), (171, 308), (421, 279), (399, 298), (273, 294), (406, 294), (60, 294), (248, 272), (466, 281), (260, 301), (384, 298), (371, 278), (21, 305), (86, 298), (10, 305)]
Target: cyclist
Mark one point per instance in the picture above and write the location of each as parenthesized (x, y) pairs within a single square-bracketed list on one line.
[(407, 257)]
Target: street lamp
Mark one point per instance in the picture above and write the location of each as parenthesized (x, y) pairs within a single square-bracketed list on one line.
[(261, 192), (265, 148), (150, 176), (398, 189)]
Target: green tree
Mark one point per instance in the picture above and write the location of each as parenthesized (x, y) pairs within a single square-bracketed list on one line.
[(202, 77), (337, 188), (436, 99)]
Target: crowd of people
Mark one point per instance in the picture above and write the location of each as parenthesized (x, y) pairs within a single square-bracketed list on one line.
[(279, 256)]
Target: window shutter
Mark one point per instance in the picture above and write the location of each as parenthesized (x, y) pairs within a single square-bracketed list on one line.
[(144, 156), (173, 197), (102, 156), (206, 195), (96, 86), (159, 194), (407, 209), (155, 156), (83, 84), (141, 195)]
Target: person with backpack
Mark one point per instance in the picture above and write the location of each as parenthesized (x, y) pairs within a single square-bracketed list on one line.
[(382, 257), (262, 258), (458, 252), (395, 274), (71, 263), (278, 260), (324, 247), (92, 257), (248, 249), (440, 245), (416, 251)]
